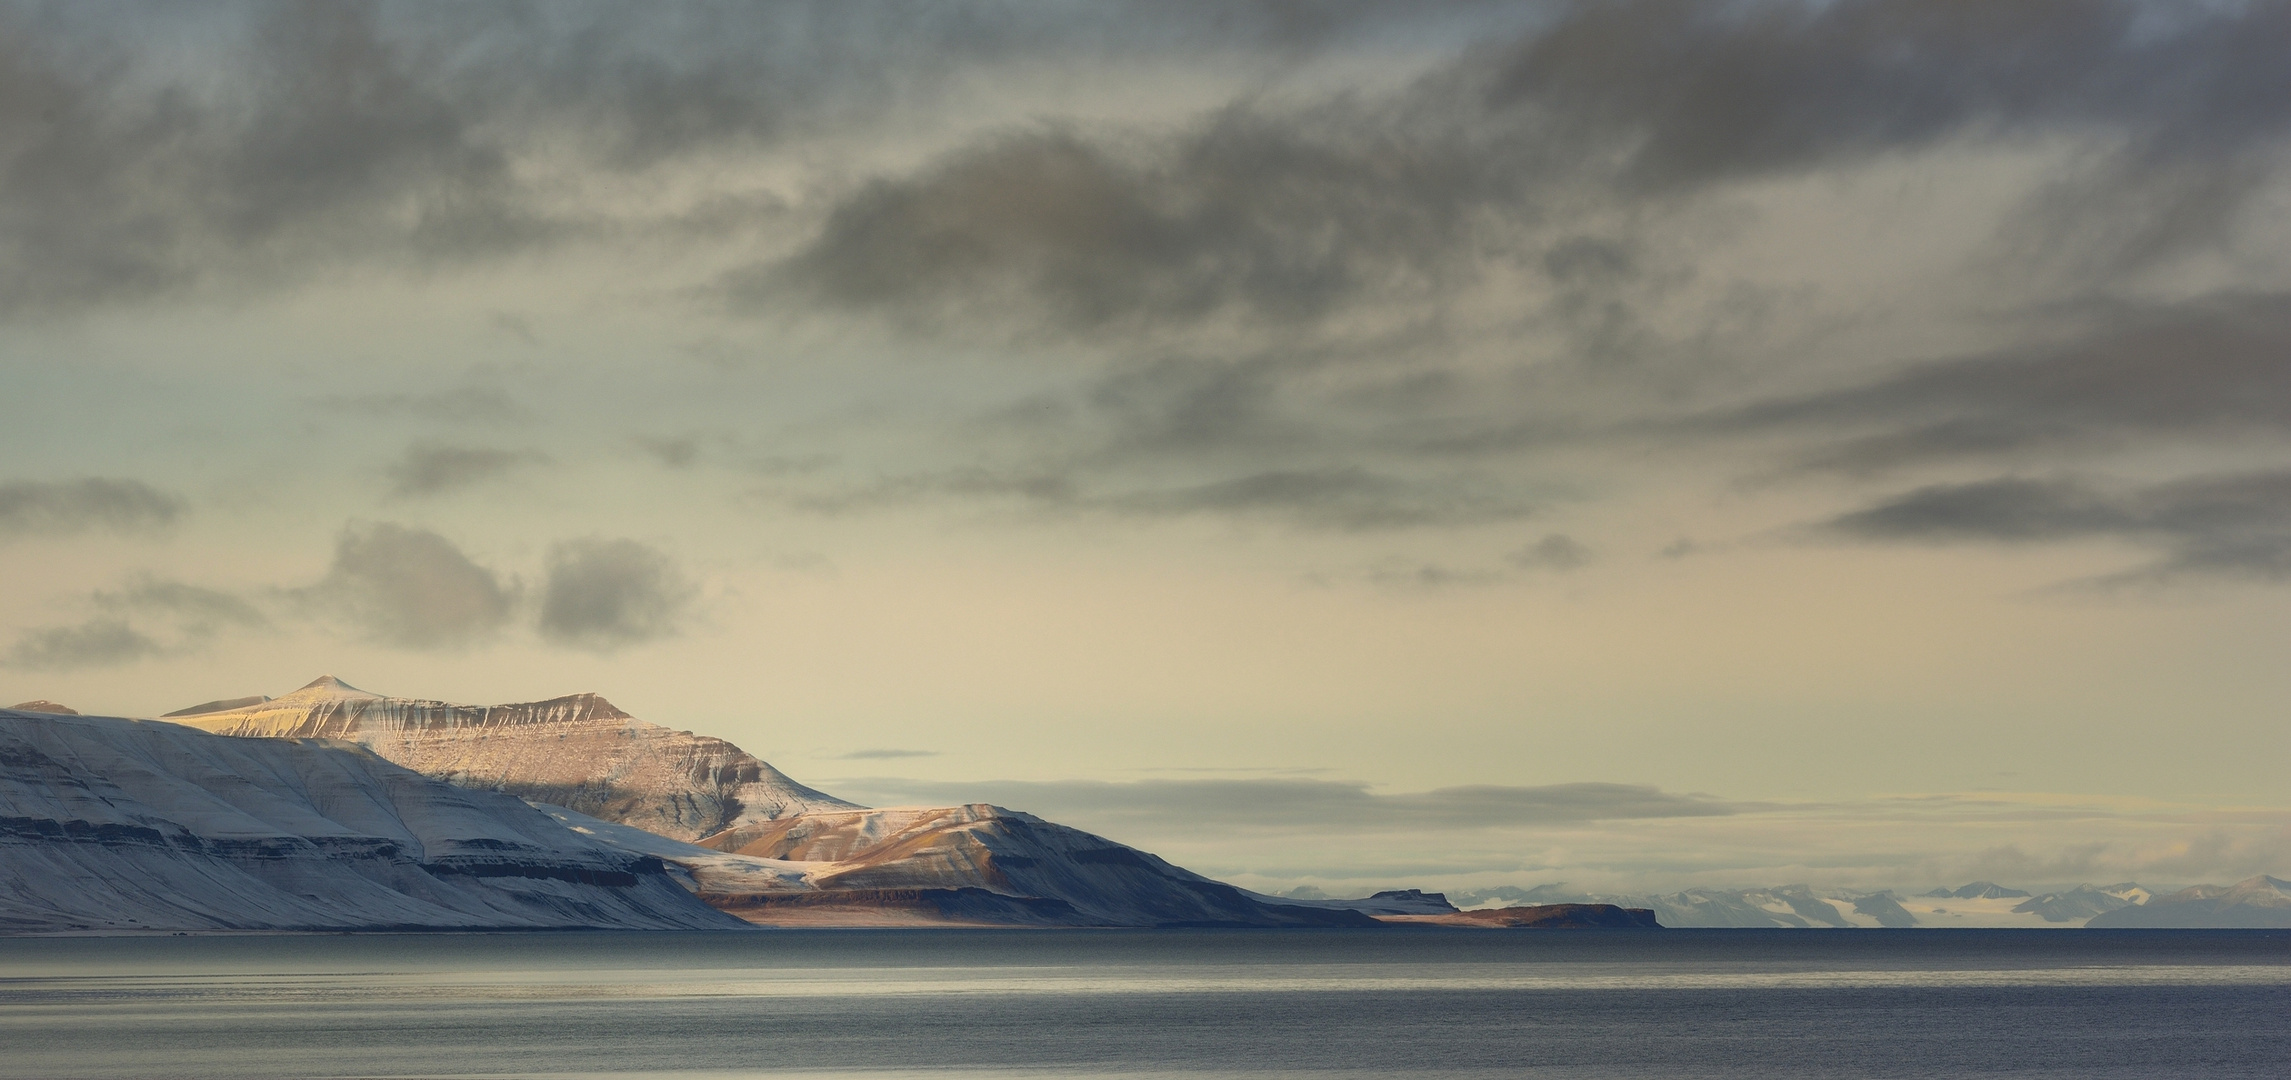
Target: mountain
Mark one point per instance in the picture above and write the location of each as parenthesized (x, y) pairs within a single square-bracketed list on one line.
[(1542, 917), (1388, 902), (1793, 906), (219, 705), (1979, 890), (1980, 904), (2255, 902), (109, 824), (748, 840), (577, 752), (43, 706), (986, 864), (2083, 901)]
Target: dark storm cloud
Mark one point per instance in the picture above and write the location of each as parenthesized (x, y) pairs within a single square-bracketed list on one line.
[(118, 188), (2215, 366), (1294, 803), (149, 148), (1286, 217), (1699, 92), (1247, 216), (2232, 526), (32, 507), (409, 588), (435, 468), (605, 594)]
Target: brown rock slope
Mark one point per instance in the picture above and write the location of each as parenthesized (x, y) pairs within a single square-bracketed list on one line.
[(578, 752), (982, 864), (43, 705)]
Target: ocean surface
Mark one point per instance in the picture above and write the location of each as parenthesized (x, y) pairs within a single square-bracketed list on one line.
[(1207, 1003)]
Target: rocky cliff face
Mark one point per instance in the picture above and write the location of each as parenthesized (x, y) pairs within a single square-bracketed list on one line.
[(577, 752), (111, 824)]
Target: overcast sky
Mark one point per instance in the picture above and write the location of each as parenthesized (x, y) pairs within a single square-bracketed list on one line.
[(1484, 443)]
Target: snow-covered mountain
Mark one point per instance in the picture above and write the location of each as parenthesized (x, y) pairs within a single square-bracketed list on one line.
[(577, 752), (747, 839), (109, 824), (2253, 902), (1978, 904)]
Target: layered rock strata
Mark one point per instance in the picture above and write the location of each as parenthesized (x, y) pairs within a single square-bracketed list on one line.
[(578, 752)]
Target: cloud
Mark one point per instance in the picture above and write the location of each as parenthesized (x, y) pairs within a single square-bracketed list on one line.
[(1283, 803), (436, 468), (2236, 525), (1556, 552), (606, 594), (410, 588), (1247, 215), (1408, 573), (1285, 214), (100, 642), (1348, 498), (247, 144), (186, 616), (884, 755), (465, 405), (194, 613), (676, 453), (1342, 498), (1700, 93), (31, 507), (2207, 368)]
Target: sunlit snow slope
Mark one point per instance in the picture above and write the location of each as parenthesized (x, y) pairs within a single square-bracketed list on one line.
[(111, 824), (577, 752)]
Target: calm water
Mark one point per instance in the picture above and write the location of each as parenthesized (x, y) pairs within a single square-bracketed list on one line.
[(1454, 1003)]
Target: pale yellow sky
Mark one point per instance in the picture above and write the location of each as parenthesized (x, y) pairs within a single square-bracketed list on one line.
[(1142, 398)]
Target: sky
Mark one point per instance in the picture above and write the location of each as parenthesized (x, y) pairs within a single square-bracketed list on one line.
[(1636, 444)]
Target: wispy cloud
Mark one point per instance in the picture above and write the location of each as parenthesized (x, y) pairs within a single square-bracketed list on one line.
[(35, 507), (436, 468)]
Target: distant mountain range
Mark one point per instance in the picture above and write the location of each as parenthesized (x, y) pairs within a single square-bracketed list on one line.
[(332, 807), (2256, 902)]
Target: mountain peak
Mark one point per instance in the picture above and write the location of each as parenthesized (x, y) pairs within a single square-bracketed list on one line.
[(43, 705), (328, 684)]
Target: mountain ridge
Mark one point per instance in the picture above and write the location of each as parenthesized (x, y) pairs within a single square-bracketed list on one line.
[(577, 751), (109, 824), (778, 852)]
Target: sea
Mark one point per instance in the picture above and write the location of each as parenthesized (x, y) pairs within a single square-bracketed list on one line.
[(1427, 1002)]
